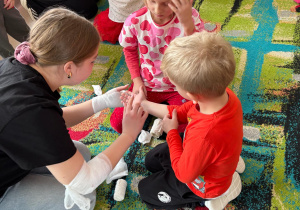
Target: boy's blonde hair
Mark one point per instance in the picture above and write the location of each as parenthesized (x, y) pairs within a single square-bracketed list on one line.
[(202, 63), (61, 35)]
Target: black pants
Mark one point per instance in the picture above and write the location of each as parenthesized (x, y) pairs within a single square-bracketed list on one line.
[(162, 189), (85, 8)]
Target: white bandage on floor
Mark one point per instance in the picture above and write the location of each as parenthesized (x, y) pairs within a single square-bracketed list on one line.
[(144, 137), (119, 171), (156, 129), (120, 190)]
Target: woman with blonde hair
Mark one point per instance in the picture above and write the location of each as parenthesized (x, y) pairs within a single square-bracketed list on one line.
[(41, 167)]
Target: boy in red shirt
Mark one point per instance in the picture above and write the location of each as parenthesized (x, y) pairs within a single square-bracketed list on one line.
[(201, 166)]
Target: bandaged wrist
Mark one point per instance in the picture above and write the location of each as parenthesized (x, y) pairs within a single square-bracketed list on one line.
[(90, 176), (110, 99)]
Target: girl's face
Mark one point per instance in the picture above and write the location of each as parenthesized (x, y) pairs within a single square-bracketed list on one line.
[(161, 13), (84, 69)]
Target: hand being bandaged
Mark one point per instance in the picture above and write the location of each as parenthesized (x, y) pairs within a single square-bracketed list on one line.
[(111, 99)]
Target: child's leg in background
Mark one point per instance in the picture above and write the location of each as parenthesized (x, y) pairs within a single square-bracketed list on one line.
[(108, 29), (12, 23)]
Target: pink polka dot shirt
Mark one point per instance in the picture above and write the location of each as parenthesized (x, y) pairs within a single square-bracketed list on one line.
[(151, 39)]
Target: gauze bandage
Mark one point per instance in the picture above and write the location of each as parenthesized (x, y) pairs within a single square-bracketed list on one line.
[(90, 176), (120, 190), (119, 171), (110, 99), (144, 137), (156, 130)]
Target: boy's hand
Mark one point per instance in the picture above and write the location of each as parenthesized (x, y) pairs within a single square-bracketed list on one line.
[(183, 10), (138, 99), (8, 4), (134, 118), (125, 96), (169, 124)]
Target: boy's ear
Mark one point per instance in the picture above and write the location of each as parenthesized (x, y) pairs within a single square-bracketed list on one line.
[(194, 97)]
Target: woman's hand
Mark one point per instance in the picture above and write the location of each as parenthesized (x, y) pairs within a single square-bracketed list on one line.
[(134, 118), (168, 123)]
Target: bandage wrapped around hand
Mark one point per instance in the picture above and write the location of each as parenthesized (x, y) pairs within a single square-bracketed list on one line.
[(90, 176), (111, 99)]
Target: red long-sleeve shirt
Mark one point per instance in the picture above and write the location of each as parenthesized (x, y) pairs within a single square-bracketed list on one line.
[(208, 156)]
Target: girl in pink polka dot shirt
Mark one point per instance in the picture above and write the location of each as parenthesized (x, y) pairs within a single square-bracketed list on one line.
[(145, 35)]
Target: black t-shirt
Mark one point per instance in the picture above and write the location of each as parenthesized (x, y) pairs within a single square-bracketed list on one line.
[(32, 130)]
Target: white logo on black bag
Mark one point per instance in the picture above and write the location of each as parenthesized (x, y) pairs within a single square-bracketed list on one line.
[(164, 197)]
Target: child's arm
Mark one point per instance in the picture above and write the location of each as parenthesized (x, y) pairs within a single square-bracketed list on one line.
[(190, 162), (183, 10), (158, 110), (132, 61), (128, 39)]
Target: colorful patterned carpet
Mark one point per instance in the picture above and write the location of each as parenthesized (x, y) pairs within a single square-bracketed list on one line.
[(266, 38)]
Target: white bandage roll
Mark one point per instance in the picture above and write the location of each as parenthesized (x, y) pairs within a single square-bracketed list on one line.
[(156, 129), (120, 190)]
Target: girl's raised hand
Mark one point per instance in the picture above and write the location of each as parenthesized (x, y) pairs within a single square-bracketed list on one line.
[(183, 10)]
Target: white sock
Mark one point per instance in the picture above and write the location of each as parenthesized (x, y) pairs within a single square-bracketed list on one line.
[(233, 191), (241, 166)]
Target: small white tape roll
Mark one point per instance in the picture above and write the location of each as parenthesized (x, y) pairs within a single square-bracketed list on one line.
[(120, 190)]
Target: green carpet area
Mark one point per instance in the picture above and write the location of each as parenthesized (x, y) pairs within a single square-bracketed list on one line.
[(266, 38)]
